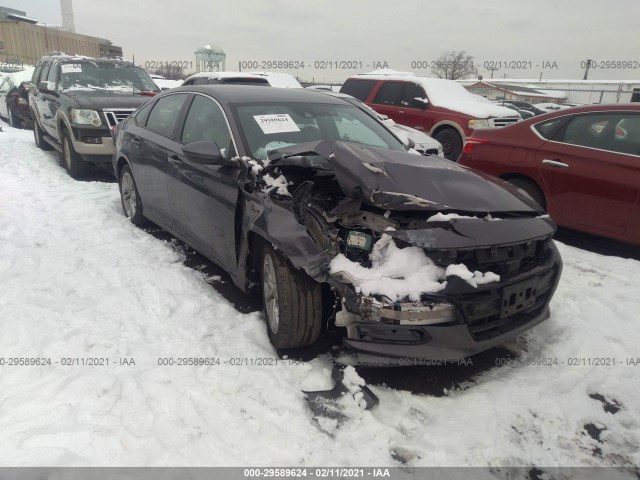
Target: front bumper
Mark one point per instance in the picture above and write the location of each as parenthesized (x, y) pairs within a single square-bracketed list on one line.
[(483, 317), (95, 145)]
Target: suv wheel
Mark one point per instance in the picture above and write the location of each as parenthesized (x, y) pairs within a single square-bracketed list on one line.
[(131, 204), (74, 164), (39, 137), (451, 143), (292, 302), (14, 121)]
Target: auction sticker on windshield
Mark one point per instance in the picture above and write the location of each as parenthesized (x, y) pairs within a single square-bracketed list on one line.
[(276, 123), (71, 68)]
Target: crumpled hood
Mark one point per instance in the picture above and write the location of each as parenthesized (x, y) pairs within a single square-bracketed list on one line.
[(402, 181), (99, 99)]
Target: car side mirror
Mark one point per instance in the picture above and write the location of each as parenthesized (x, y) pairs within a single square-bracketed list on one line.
[(410, 143), (419, 102), (45, 87), (205, 152)]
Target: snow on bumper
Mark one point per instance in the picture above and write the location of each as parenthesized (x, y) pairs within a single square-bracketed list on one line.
[(453, 323)]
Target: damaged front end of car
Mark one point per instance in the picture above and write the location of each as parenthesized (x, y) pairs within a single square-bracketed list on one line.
[(427, 259)]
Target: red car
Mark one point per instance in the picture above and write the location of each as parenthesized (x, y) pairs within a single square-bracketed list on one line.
[(582, 164)]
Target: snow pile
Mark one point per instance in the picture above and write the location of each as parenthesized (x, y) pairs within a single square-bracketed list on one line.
[(474, 279), (279, 184), (396, 273), (78, 280), (401, 273)]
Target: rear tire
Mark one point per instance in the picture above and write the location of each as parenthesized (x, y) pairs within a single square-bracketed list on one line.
[(74, 164), (292, 302), (39, 137), (14, 121), (451, 143), (131, 202), (531, 189)]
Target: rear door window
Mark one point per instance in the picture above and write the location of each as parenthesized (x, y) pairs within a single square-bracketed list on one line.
[(547, 129), (412, 92), (391, 93), (164, 115), (361, 89), (616, 132)]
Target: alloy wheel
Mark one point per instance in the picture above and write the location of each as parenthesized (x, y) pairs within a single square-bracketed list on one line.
[(270, 292), (129, 197)]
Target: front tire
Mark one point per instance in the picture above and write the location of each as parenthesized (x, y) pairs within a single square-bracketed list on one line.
[(38, 137), (292, 302), (131, 203), (451, 143), (74, 164)]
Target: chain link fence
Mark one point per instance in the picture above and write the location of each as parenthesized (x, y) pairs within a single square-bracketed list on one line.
[(593, 95)]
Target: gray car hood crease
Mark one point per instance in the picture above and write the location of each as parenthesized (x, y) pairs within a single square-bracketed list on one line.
[(399, 181)]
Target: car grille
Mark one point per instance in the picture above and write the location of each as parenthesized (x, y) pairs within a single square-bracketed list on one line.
[(116, 115), (504, 260), (503, 122), (492, 313)]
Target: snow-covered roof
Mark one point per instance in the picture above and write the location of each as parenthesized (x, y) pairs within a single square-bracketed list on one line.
[(21, 76), (280, 80), (522, 90), (164, 83), (444, 93), (224, 75), (21, 18)]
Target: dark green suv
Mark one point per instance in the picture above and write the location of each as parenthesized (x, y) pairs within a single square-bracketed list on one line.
[(75, 101)]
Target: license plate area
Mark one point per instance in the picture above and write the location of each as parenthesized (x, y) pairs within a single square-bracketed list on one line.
[(519, 297)]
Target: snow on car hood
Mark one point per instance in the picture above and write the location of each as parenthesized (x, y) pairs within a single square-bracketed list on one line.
[(401, 181), (453, 96), (98, 99)]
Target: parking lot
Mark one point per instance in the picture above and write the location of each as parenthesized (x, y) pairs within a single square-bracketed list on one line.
[(109, 309)]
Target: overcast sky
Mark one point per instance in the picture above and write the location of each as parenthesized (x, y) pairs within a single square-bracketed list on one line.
[(399, 32)]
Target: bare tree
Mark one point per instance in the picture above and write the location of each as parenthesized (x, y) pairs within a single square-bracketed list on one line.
[(454, 65), (170, 72)]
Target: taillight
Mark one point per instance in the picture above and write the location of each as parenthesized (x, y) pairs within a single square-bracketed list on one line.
[(472, 143)]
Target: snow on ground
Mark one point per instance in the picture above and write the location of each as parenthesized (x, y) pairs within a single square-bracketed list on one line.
[(78, 281)]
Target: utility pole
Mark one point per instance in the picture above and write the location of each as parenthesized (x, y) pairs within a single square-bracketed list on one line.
[(586, 70), (492, 69)]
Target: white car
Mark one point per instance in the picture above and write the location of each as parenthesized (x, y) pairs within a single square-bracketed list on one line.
[(273, 79), (552, 107), (14, 107)]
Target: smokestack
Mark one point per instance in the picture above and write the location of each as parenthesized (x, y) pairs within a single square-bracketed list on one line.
[(67, 15)]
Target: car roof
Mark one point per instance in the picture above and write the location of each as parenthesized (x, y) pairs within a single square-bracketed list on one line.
[(248, 93), (227, 74), (81, 58)]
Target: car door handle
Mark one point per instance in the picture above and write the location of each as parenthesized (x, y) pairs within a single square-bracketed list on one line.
[(555, 163), (400, 111), (175, 161), (135, 140)]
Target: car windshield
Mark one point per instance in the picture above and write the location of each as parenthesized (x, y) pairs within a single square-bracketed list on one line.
[(268, 126), (104, 75)]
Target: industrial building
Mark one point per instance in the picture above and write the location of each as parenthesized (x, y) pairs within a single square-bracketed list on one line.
[(23, 40)]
